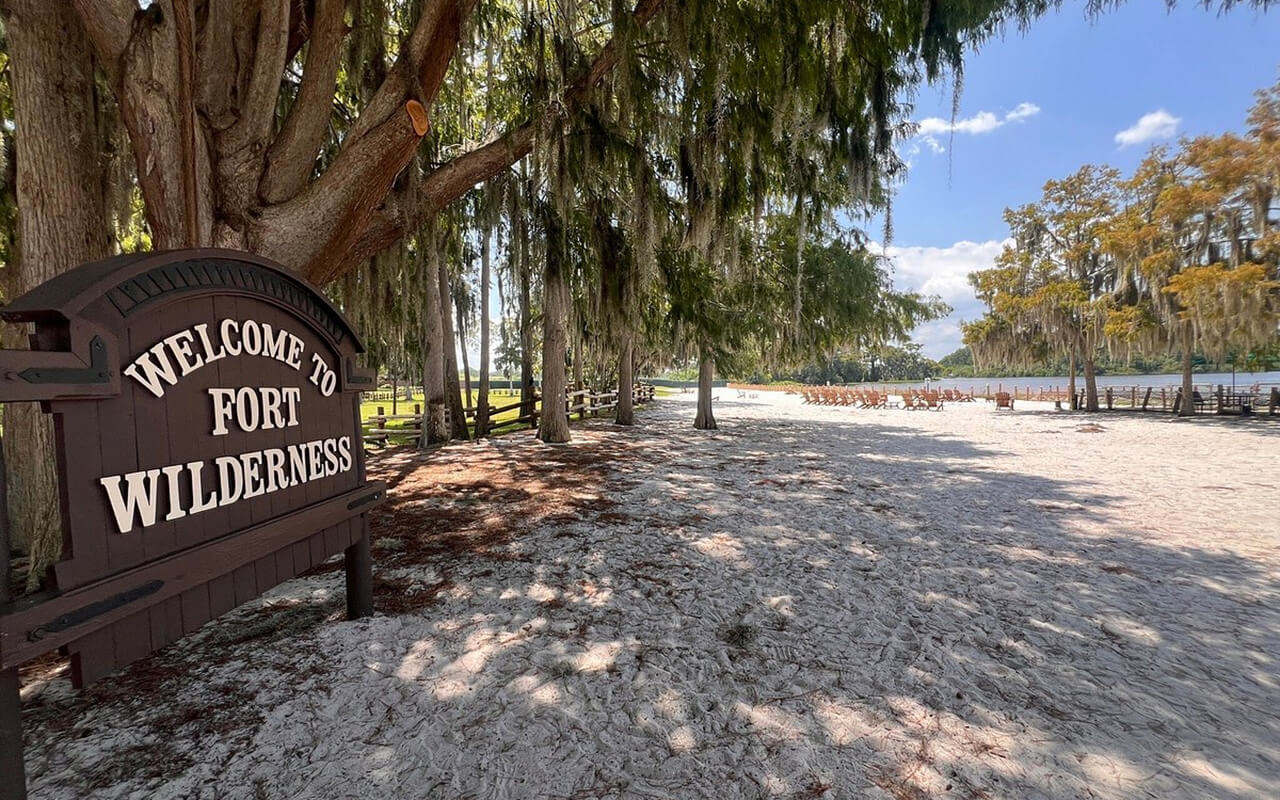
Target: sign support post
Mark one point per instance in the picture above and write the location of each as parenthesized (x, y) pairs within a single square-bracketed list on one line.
[(14, 786), (359, 568)]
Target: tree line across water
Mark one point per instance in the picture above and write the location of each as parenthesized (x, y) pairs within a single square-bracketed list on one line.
[(633, 185), (1181, 255)]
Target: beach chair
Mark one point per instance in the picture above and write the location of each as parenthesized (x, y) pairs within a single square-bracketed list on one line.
[(933, 401), (1004, 400)]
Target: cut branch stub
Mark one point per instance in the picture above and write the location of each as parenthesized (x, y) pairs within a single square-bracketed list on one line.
[(418, 115)]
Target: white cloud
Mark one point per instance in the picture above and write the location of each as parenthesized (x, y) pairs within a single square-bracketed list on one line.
[(930, 128), (943, 271), (1159, 124), (1023, 111)]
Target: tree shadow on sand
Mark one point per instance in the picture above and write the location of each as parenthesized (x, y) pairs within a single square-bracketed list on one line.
[(780, 608)]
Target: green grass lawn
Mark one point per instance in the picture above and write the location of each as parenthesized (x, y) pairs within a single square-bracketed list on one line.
[(497, 398), (404, 430)]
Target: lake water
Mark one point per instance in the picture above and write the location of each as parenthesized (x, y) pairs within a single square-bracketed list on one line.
[(1243, 380)]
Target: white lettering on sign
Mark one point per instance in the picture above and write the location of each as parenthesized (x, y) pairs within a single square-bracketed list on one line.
[(251, 409), (177, 356), (175, 491), (138, 497)]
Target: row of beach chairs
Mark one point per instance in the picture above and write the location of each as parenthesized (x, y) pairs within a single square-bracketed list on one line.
[(869, 398), (840, 396)]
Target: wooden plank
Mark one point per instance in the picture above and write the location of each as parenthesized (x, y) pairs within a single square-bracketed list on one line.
[(153, 416), (301, 557), (165, 622), (87, 559), (132, 637), (284, 564), (222, 594), (92, 657), (195, 607), (245, 580), (265, 571)]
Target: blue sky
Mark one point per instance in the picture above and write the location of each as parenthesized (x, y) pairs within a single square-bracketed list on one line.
[(1040, 104)]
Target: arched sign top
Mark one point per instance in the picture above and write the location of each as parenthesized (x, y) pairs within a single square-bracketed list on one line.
[(140, 281)]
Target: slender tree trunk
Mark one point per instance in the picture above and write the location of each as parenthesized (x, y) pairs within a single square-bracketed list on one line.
[(1090, 385), (482, 400), (1188, 405), (553, 424), (466, 363), (526, 321), (61, 223), (626, 414), (1071, 381), (705, 419), (798, 288), (433, 428), (577, 355), (452, 388)]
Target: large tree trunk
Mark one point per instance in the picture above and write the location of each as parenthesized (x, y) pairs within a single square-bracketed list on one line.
[(553, 424), (61, 223), (626, 414), (705, 420), (452, 388), (1090, 385), (482, 399), (433, 428), (1187, 407)]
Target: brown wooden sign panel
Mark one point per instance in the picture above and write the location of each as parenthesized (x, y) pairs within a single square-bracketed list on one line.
[(206, 407)]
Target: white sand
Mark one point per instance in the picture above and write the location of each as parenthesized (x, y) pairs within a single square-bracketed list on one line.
[(811, 602)]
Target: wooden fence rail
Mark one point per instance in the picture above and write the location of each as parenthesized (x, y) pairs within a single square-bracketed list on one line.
[(576, 401), (1209, 398)]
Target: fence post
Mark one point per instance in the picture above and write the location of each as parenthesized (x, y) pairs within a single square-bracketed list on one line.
[(1163, 405), (1218, 393), (382, 422)]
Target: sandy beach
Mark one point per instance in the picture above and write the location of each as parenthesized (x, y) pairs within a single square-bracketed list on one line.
[(810, 602)]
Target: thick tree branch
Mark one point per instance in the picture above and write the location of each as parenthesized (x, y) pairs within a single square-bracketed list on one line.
[(338, 204), (403, 212), (257, 109), (139, 51), (420, 68), (385, 222), (292, 155), (108, 23)]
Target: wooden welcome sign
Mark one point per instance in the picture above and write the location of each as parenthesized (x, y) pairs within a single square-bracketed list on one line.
[(206, 409)]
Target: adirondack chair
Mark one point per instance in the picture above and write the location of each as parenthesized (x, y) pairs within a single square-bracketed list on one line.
[(1004, 400)]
